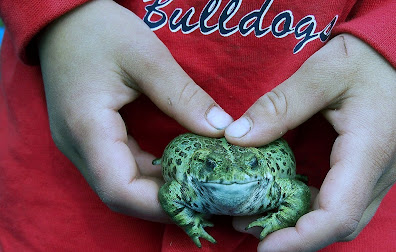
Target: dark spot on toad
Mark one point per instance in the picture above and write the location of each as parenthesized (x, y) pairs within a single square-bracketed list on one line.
[(178, 161)]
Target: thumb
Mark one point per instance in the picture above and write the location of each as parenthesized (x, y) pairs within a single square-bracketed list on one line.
[(156, 73), (312, 88)]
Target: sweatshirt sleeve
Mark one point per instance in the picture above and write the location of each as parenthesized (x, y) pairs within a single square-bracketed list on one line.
[(373, 21), (25, 19)]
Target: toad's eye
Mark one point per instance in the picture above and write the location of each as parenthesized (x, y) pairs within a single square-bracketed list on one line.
[(253, 163), (210, 164)]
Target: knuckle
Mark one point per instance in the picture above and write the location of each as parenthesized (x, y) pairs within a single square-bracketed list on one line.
[(338, 60), (351, 236), (104, 197), (347, 226), (186, 98), (274, 104), (349, 47), (188, 93), (110, 198), (383, 156), (65, 134), (342, 43), (61, 136), (57, 137), (382, 153)]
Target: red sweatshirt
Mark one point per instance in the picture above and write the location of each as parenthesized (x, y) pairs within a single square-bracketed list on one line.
[(237, 50)]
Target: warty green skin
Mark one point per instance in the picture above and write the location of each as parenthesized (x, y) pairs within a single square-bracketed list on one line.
[(206, 176)]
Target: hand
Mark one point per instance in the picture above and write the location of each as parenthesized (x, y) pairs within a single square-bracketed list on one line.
[(355, 88), (95, 60)]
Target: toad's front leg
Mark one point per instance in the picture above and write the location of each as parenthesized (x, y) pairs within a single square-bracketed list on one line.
[(174, 200), (294, 198)]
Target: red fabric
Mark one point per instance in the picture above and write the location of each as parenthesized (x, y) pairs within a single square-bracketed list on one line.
[(25, 19), (372, 21), (46, 205)]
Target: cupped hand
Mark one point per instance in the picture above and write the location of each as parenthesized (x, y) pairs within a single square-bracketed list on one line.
[(96, 59), (355, 88)]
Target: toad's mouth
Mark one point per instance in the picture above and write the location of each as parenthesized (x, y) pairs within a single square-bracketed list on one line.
[(231, 182), (231, 198), (231, 186), (222, 188)]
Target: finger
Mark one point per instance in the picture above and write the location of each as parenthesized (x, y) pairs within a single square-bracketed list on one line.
[(362, 167), (144, 160), (162, 79), (312, 88), (241, 222), (370, 119), (111, 169), (137, 56), (83, 100), (346, 193), (368, 214)]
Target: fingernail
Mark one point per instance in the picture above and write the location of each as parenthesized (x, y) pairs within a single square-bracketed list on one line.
[(218, 118), (239, 128)]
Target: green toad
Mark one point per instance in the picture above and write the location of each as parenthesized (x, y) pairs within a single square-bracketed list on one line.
[(207, 176)]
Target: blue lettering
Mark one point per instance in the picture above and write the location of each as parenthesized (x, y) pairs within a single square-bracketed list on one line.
[(184, 22), (246, 26), (229, 11), (308, 34), (286, 18), (281, 26), (209, 10), (325, 33), (154, 9)]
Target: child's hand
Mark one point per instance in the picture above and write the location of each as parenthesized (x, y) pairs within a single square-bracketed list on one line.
[(355, 88), (95, 60)]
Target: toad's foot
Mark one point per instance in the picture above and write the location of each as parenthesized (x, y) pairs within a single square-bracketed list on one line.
[(194, 225), (294, 203), (175, 201)]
